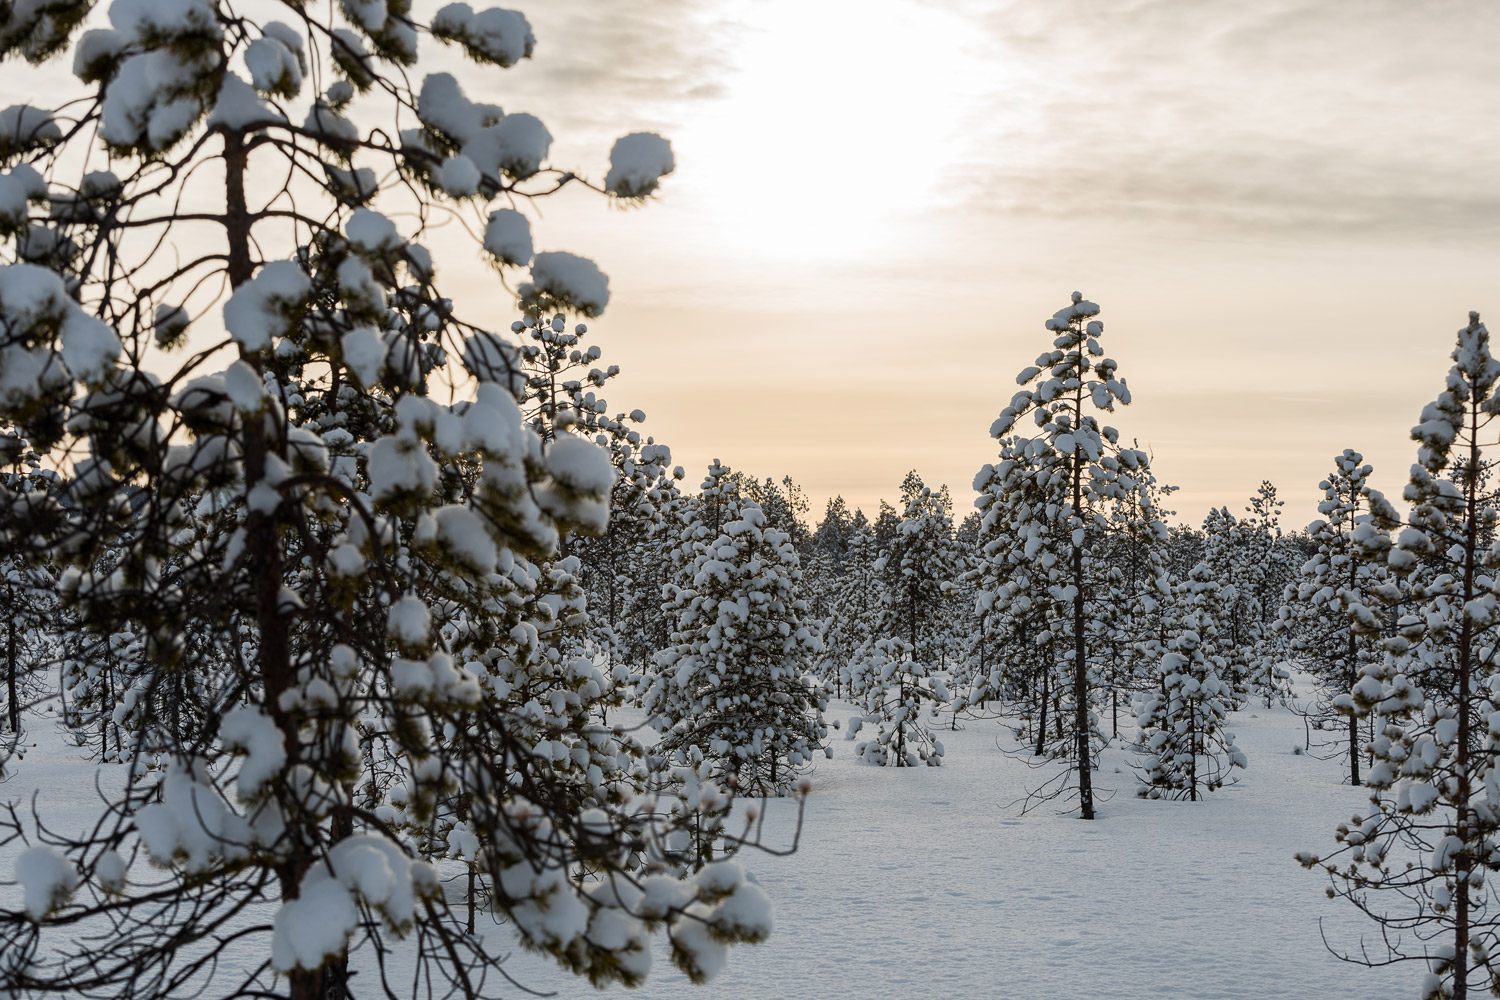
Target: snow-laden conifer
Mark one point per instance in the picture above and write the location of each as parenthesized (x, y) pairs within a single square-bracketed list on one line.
[(244, 311), (28, 598), (734, 683), (1332, 618), (1245, 555), (901, 697), (1047, 505), (1186, 747), (854, 608), (897, 674), (1418, 861)]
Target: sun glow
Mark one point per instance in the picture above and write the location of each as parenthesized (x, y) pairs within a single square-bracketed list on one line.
[(825, 84)]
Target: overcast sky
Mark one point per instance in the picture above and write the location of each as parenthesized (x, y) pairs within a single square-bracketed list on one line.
[(1285, 209)]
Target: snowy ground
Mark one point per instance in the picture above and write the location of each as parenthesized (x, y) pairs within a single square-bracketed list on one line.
[(929, 883)]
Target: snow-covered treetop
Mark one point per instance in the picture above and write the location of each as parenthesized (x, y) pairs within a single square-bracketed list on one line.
[(1066, 389), (1470, 384), (1075, 367)]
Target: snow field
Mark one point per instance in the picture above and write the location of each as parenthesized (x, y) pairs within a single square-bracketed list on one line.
[(931, 883)]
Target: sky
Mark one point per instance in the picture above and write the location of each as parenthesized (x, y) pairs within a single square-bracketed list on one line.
[(1285, 210)]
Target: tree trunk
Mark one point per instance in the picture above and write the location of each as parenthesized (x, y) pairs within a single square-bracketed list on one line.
[(1041, 729), (1080, 652), (1463, 863), (13, 664), (1353, 654), (1353, 750), (265, 552)]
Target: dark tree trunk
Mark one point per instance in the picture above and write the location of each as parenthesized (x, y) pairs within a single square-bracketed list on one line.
[(13, 665), (265, 547), (1080, 651), (1041, 728)]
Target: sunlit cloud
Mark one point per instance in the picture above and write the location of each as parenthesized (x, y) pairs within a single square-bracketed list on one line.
[(1301, 116)]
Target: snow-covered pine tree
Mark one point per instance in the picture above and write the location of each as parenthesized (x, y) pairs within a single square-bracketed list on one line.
[(384, 591), (901, 697), (563, 380), (96, 672), (887, 522), (1228, 551), (734, 683), (1334, 590), (694, 522), (1186, 747), (951, 622), (122, 704), (649, 571), (974, 660), (1012, 600), (855, 608), (831, 537), (28, 599), (783, 504), (1186, 548), (898, 676), (1080, 471), (1131, 619), (1243, 553), (1419, 861), (620, 569), (1272, 568), (822, 581), (918, 571)]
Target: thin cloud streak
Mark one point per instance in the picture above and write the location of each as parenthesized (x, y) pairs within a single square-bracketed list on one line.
[(1309, 117)]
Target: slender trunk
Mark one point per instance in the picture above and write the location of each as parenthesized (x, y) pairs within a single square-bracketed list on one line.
[(469, 923), (1463, 864), (1193, 755), (1080, 652), (109, 699), (265, 547), (334, 976), (901, 724), (1352, 652), (1353, 722), (984, 669), (13, 664), (1041, 728)]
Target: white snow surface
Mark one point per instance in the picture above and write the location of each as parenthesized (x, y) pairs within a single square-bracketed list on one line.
[(929, 882)]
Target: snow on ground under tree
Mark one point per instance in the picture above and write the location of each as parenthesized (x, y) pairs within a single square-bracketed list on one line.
[(929, 882)]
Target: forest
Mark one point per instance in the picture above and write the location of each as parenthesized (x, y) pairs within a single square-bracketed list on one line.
[(379, 645)]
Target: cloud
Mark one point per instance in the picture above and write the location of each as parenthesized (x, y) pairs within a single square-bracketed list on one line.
[(1256, 117), (633, 62)]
